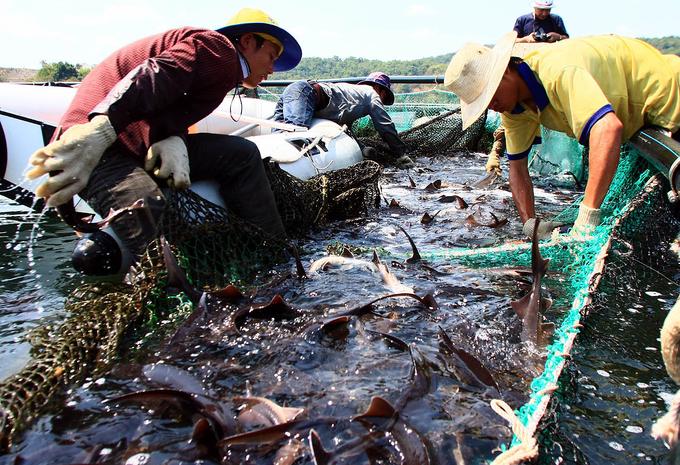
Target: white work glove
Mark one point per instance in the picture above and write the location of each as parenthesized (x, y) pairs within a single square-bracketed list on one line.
[(71, 159), (545, 228), (174, 159), (586, 222), (494, 163)]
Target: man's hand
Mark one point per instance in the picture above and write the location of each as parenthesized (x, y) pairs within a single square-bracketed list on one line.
[(554, 36), (71, 159), (586, 222), (174, 161), (545, 228)]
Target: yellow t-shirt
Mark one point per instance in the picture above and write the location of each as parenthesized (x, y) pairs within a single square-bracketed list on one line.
[(577, 81)]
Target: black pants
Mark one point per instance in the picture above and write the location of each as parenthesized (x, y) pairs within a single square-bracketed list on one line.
[(234, 162)]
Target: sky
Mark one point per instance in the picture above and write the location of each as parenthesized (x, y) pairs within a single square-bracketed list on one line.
[(86, 31)]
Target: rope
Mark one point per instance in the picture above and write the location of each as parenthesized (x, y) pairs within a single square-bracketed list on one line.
[(527, 449)]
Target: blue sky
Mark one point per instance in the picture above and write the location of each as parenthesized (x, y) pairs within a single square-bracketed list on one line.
[(85, 32)]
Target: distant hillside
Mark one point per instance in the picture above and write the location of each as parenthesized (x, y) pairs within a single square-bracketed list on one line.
[(325, 68), (668, 45), (17, 74)]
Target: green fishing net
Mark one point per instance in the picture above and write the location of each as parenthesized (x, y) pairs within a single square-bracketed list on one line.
[(216, 249)]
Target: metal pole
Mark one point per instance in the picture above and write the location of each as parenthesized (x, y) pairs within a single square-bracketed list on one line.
[(354, 80)]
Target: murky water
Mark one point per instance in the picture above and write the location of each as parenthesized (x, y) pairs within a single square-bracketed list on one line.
[(620, 383)]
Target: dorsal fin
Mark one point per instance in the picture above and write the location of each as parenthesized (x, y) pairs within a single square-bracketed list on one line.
[(521, 306)]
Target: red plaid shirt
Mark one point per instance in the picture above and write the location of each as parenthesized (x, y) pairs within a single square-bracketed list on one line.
[(158, 86)]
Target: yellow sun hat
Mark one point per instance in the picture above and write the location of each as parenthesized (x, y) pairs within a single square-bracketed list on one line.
[(260, 23)]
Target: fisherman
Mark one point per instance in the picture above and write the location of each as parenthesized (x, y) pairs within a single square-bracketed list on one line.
[(599, 90), (126, 130), (541, 25), (344, 103)]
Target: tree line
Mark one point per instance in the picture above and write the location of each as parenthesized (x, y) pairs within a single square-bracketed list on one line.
[(336, 67)]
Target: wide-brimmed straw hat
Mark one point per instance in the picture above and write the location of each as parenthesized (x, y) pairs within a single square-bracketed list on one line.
[(383, 80), (475, 72), (260, 23)]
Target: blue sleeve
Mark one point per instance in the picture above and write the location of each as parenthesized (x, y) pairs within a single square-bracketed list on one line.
[(559, 25), (519, 156), (519, 27), (585, 135)]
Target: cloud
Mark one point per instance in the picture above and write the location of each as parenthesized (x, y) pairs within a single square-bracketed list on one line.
[(420, 10)]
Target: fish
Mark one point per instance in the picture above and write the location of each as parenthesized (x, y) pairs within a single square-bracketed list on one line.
[(68, 214), (259, 411), (420, 376), (375, 264), (413, 445), (434, 186), (177, 280), (532, 306), (388, 277), (494, 225), (427, 218), (470, 370), (277, 308), (462, 204), (485, 180)]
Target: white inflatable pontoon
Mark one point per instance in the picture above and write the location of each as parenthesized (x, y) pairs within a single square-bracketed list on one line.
[(29, 115)]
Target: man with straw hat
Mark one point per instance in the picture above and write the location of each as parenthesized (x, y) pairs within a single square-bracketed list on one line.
[(126, 130), (599, 90)]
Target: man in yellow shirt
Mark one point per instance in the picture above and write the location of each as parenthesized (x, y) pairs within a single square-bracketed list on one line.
[(599, 90)]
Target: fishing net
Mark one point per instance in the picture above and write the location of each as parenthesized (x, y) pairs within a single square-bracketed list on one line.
[(216, 248)]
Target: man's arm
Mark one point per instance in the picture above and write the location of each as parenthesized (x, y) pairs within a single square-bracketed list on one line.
[(522, 189), (605, 150)]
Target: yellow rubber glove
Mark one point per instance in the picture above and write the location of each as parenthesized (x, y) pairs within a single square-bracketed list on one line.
[(174, 161), (71, 159), (494, 164)]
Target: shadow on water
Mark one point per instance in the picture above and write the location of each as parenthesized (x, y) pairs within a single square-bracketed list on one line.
[(398, 350)]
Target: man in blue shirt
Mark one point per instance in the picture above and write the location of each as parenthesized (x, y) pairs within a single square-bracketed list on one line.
[(541, 25)]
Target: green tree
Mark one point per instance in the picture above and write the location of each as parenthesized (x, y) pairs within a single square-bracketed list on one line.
[(54, 72)]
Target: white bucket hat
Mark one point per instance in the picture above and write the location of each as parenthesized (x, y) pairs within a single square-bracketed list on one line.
[(475, 72), (542, 4)]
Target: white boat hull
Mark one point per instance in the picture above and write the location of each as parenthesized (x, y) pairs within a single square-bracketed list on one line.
[(29, 114)]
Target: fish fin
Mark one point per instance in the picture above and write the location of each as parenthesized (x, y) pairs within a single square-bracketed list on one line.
[(430, 302), (176, 276), (520, 306), (546, 303), (347, 253), (330, 325), (320, 455), (301, 274), (416, 255), (547, 330), (229, 292), (379, 408)]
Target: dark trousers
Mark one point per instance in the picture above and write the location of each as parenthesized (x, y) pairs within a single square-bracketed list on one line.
[(234, 162)]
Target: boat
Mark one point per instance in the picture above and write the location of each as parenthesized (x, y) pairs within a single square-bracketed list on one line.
[(29, 115)]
